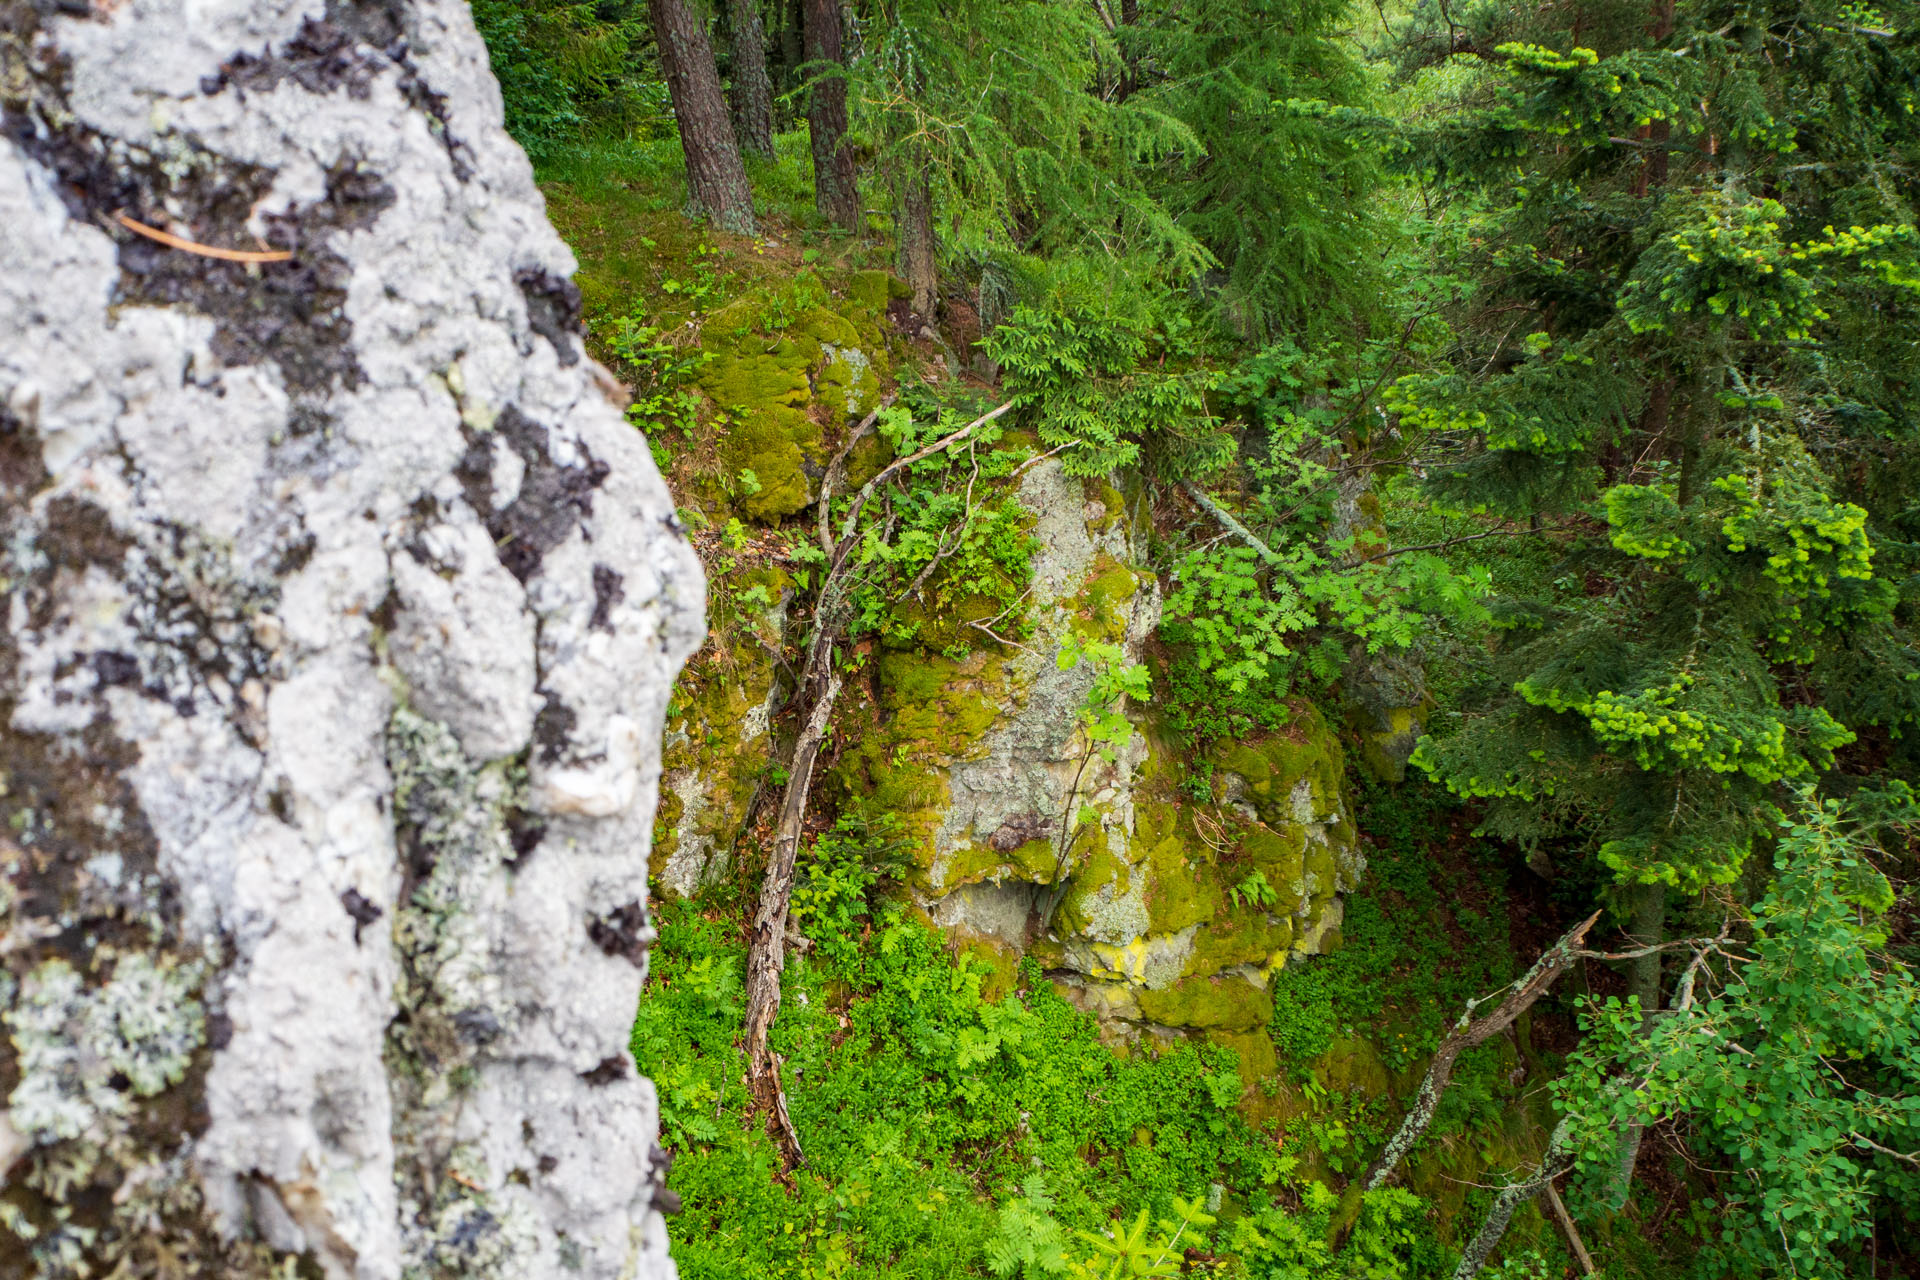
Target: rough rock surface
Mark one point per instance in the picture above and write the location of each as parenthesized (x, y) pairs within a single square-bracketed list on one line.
[(340, 613)]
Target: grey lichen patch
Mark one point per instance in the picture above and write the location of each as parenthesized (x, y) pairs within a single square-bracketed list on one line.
[(82, 1056), (453, 823), (472, 1236)]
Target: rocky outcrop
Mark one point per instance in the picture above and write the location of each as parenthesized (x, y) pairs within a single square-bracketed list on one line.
[(341, 611), (1176, 902)]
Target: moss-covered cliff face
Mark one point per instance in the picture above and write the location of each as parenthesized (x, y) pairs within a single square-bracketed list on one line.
[(1174, 908)]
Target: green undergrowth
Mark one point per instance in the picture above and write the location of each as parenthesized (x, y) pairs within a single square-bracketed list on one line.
[(944, 1131)]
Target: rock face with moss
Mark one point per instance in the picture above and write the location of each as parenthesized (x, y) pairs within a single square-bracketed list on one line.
[(1157, 928), (341, 612)]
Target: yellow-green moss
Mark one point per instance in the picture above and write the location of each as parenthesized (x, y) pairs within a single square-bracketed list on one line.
[(1258, 1061), (1246, 937), (776, 356), (1100, 609), (1184, 889), (931, 712), (1226, 1004), (1112, 502), (1273, 767)]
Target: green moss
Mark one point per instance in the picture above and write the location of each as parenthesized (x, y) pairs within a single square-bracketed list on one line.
[(931, 711), (1228, 1004), (868, 289), (1254, 1049), (782, 362), (1183, 889), (1098, 867), (1248, 937), (1099, 610), (1112, 502), (1274, 766)]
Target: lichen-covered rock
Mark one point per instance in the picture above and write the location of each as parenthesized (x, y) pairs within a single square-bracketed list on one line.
[(341, 610)]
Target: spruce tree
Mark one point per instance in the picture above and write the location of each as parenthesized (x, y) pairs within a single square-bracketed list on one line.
[(1687, 222)]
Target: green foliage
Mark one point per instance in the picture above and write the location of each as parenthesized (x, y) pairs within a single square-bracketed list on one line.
[(1103, 712), (565, 68), (953, 548), (1130, 1250), (1091, 378), (911, 1091), (831, 887), (1655, 211), (986, 101), (1253, 891), (1802, 1069), (661, 375), (1413, 951)]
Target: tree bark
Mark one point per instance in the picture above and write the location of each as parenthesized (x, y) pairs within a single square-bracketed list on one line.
[(767, 950), (1643, 982), (836, 189), (752, 86), (916, 242), (1466, 1035), (716, 179), (1556, 1162)]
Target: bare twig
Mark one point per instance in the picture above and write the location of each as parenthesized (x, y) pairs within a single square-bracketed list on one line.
[(1572, 1232)]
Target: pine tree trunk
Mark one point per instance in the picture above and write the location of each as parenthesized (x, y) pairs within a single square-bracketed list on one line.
[(752, 87), (1643, 981), (836, 190), (916, 243), (716, 180)]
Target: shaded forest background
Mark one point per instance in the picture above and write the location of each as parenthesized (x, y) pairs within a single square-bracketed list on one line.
[(1543, 372)]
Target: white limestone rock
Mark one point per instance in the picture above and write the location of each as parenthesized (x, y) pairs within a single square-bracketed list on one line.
[(340, 614)]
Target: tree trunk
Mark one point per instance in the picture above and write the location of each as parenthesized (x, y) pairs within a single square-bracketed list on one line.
[(793, 23), (716, 180), (836, 189), (752, 87), (298, 901), (1643, 982), (916, 243)]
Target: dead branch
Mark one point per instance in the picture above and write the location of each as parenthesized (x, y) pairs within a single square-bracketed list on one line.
[(1468, 1032)]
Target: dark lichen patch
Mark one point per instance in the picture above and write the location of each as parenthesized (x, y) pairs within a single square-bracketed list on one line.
[(609, 1071), (553, 727), (322, 58), (609, 589), (552, 501), (289, 314), (553, 310), (362, 909), (624, 932), (23, 472), (347, 50)]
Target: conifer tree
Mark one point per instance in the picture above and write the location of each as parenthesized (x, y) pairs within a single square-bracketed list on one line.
[(752, 96), (716, 178), (1693, 217)]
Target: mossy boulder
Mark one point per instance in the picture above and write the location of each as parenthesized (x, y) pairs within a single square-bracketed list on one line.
[(1209, 1004), (921, 713), (1258, 1061), (1293, 777), (785, 366)]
